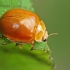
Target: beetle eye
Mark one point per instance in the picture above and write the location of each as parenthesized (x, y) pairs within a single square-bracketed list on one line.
[(44, 40)]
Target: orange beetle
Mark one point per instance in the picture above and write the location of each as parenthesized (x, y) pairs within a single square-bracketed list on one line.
[(23, 26)]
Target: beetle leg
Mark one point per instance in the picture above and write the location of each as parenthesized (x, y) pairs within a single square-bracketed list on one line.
[(20, 46), (17, 44), (32, 45), (1, 36)]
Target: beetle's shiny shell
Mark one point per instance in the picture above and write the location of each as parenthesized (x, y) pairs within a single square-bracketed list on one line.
[(19, 25)]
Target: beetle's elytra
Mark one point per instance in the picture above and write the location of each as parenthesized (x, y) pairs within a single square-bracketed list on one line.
[(23, 26)]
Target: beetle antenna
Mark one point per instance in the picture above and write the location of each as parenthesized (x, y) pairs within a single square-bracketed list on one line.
[(52, 34)]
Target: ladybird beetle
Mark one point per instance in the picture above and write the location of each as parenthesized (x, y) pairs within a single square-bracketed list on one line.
[(23, 26)]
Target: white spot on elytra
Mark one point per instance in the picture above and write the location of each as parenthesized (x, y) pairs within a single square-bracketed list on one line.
[(28, 23), (15, 25)]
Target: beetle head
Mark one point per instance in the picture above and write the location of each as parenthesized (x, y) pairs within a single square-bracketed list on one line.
[(41, 33)]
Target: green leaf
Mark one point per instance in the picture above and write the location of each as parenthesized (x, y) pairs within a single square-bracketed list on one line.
[(4, 40), (5, 5), (13, 58), (41, 46)]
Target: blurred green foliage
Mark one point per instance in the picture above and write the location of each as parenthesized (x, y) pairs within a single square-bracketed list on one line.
[(56, 16), (11, 57)]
